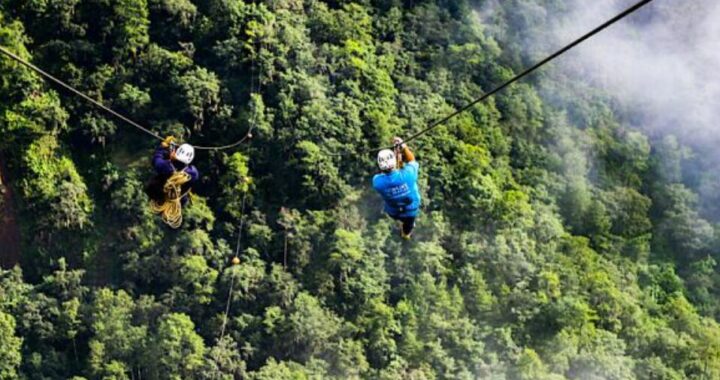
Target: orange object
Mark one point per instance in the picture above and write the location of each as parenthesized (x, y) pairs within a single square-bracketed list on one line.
[(408, 155)]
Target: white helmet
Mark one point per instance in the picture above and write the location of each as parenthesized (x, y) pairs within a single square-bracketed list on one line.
[(386, 160), (185, 154)]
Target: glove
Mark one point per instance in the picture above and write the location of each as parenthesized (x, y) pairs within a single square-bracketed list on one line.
[(167, 142), (398, 142)]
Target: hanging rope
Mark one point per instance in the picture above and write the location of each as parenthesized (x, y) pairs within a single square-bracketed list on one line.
[(171, 207), (517, 77), (105, 108), (241, 226), (236, 259)]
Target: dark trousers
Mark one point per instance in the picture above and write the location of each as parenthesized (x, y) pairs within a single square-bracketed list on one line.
[(408, 223), (154, 188)]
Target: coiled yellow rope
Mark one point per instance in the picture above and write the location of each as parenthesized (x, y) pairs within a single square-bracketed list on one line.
[(171, 208)]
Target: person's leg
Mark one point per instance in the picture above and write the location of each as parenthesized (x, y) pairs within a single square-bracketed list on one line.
[(408, 224), (154, 189), (400, 220)]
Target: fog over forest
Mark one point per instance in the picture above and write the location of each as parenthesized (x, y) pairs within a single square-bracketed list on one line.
[(569, 227)]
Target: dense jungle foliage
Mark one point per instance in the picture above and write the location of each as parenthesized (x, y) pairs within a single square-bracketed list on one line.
[(555, 241)]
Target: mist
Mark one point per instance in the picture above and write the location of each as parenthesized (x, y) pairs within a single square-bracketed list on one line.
[(662, 63), (660, 66)]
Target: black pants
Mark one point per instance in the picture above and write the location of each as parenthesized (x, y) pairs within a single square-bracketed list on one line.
[(154, 188), (408, 223)]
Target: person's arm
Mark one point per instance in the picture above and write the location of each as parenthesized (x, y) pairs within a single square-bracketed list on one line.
[(407, 156), (193, 172), (162, 158), (405, 153), (161, 161)]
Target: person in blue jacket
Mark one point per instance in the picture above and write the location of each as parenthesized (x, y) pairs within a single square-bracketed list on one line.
[(167, 160), (397, 184)]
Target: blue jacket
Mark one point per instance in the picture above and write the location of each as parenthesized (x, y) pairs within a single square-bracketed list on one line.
[(399, 189), (164, 166)]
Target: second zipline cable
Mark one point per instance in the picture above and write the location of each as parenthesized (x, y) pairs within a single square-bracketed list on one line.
[(517, 77)]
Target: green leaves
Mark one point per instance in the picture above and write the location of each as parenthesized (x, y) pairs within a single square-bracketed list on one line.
[(555, 242), (131, 33), (320, 176), (55, 186), (198, 278), (10, 356), (133, 98), (236, 182), (347, 252), (177, 351), (117, 343), (200, 93)]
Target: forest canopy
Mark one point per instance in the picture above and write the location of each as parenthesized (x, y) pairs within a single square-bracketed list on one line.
[(556, 240)]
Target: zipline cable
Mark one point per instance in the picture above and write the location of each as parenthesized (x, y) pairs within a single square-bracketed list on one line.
[(105, 108), (232, 276), (526, 72), (248, 136), (237, 244), (77, 92), (432, 126)]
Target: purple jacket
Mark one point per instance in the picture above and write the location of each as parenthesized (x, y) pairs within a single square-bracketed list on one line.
[(166, 167)]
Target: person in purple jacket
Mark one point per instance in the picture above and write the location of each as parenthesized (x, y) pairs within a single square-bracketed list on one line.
[(167, 160)]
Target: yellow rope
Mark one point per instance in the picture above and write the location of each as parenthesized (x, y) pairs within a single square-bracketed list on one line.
[(171, 208)]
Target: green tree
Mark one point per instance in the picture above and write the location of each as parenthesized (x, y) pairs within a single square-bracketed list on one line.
[(117, 345), (223, 361), (10, 356), (131, 28), (176, 351)]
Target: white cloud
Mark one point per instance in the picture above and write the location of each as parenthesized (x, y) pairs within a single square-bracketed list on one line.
[(663, 62)]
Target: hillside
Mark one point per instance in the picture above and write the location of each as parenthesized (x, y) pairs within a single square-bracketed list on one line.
[(558, 239)]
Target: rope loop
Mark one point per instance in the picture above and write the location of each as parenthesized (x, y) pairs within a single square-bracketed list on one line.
[(171, 208)]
